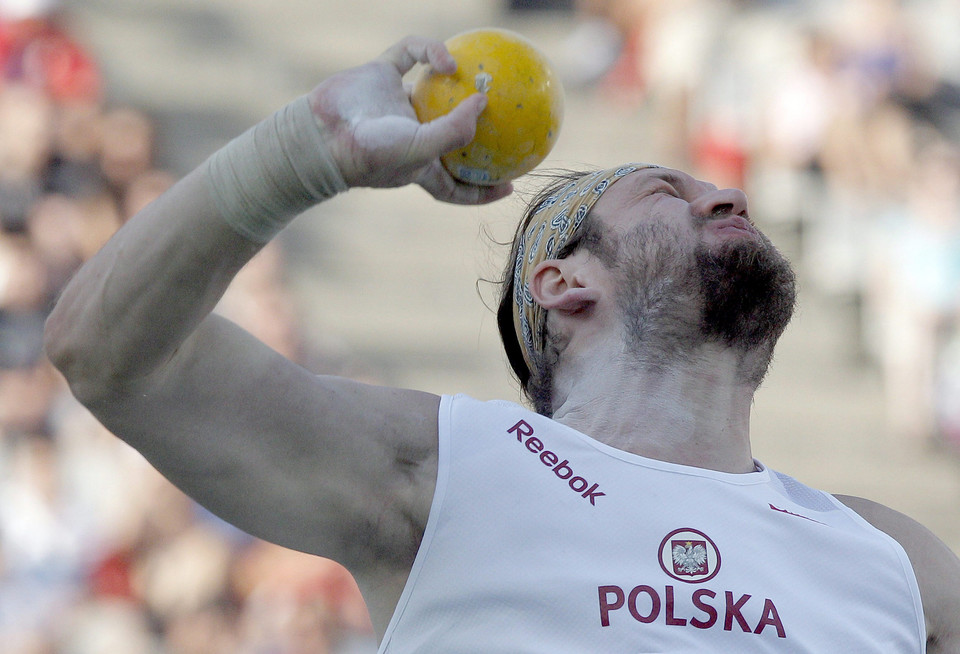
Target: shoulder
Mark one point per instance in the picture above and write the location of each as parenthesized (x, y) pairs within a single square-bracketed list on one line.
[(937, 569), (464, 412)]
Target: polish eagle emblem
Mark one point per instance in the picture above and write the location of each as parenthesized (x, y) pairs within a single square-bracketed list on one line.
[(690, 558), (689, 555)]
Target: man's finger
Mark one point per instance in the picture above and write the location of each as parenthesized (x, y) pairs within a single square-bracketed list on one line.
[(438, 182), (417, 49), (454, 130)]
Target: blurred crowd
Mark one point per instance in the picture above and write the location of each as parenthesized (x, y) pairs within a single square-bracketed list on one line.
[(841, 119), (98, 553)]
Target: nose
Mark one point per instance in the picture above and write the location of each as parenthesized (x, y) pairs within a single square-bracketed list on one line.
[(720, 202)]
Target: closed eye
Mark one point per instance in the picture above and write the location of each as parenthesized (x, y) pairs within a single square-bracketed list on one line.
[(664, 190), (669, 183)]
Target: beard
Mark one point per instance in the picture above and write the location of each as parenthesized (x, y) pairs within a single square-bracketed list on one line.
[(674, 300), (749, 293)]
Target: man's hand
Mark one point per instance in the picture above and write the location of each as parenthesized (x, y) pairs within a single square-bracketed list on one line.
[(375, 136)]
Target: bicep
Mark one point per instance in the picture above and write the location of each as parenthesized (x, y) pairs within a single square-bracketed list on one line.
[(319, 464)]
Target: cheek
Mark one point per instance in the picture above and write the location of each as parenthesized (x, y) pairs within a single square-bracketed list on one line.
[(658, 264), (658, 240)]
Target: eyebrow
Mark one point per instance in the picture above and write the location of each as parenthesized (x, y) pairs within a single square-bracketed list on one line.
[(670, 178)]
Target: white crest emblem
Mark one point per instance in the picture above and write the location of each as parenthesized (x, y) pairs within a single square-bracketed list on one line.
[(689, 555), (689, 559)]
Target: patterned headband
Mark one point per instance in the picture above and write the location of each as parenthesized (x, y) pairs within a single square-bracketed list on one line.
[(554, 222)]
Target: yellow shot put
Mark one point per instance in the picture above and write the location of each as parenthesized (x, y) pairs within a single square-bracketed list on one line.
[(524, 109)]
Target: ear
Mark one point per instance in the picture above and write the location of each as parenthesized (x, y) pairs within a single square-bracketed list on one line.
[(556, 284)]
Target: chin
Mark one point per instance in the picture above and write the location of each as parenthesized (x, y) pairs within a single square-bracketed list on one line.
[(749, 292)]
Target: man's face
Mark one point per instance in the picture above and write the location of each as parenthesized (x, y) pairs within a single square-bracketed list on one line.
[(689, 267)]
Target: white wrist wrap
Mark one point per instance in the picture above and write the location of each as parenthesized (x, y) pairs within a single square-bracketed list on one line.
[(268, 175)]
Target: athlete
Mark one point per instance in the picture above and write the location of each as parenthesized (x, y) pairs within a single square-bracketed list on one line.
[(640, 310)]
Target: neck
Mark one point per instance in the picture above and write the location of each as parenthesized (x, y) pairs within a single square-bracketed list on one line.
[(692, 412)]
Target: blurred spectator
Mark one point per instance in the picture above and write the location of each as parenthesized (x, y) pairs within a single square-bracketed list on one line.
[(74, 169), (25, 140), (126, 146), (606, 47), (37, 50), (915, 300)]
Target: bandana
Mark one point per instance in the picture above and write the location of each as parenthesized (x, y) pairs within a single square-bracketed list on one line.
[(554, 222)]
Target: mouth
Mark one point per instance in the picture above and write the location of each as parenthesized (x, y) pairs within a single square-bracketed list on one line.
[(731, 226)]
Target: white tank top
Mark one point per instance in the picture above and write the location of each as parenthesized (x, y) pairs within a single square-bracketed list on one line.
[(541, 539)]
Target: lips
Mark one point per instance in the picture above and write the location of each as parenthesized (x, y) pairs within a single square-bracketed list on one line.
[(731, 225)]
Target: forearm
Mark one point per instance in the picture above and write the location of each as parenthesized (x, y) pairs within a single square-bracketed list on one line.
[(133, 305), (139, 298)]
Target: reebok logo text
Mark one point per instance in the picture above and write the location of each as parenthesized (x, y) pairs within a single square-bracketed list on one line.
[(560, 467)]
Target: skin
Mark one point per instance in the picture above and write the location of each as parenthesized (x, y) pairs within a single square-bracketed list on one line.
[(346, 470)]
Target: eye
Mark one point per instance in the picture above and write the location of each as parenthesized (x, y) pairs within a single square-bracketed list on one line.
[(660, 187), (664, 189)]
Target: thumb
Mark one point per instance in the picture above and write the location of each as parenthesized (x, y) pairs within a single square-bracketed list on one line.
[(453, 130)]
